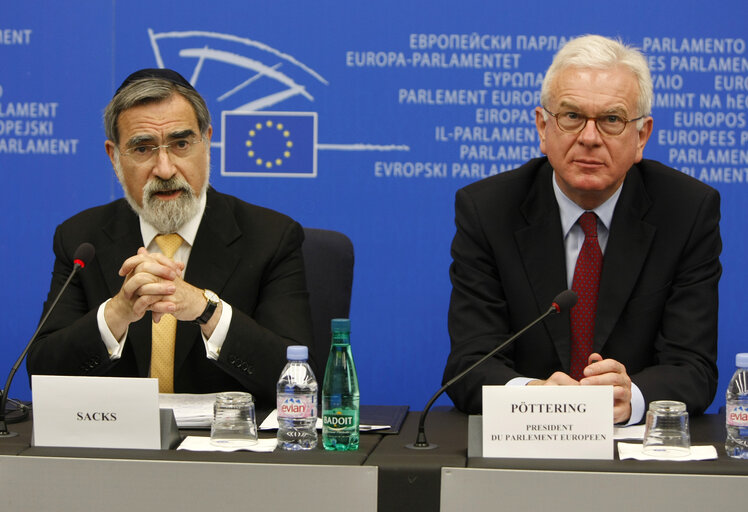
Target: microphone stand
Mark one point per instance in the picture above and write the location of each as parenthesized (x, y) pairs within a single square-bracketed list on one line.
[(4, 432), (421, 442)]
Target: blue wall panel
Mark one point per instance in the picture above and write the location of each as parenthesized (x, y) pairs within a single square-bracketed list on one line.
[(405, 94)]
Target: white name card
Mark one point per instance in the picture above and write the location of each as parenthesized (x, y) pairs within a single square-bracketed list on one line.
[(95, 412), (548, 422)]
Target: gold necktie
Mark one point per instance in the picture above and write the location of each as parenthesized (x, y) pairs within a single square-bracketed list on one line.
[(164, 333)]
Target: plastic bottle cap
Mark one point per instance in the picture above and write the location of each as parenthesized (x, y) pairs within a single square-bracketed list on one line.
[(741, 360), (297, 353), (340, 324)]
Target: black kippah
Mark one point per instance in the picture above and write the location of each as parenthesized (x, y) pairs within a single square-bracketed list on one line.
[(163, 74)]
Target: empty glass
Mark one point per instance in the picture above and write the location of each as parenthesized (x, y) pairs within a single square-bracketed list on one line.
[(234, 423), (666, 434)]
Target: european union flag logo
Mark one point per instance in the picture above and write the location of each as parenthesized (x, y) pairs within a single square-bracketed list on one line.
[(269, 144)]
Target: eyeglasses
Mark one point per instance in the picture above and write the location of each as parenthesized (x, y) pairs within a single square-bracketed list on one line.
[(180, 148), (606, 124)]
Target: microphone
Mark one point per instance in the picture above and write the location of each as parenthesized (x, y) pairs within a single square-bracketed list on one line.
[(83, 255), (562, 302)]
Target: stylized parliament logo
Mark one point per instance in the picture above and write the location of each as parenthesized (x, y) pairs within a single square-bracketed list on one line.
[(255, 139)]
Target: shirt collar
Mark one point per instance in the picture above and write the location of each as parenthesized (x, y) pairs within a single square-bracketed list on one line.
[(188, 231), (570, 211)]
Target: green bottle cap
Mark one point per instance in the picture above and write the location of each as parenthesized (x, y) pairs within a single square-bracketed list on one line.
[(340, 325)]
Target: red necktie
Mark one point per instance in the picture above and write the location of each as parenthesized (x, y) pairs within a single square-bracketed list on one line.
[(586, 283)]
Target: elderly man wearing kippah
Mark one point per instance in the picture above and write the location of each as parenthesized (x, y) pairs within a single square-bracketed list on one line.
[(194, 287)]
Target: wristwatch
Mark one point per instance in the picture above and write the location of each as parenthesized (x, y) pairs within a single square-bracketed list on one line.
[(210, 308)]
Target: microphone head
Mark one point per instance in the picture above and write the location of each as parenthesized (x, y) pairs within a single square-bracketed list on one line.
[(564, 301), (84, 254)]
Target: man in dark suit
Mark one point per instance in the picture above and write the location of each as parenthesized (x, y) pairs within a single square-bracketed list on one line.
[(234, 289), (653, 321)]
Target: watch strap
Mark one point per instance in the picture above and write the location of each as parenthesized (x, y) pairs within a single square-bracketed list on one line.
[(210, 308)]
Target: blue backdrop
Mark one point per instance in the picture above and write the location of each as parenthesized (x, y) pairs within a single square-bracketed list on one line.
[(390, 106)]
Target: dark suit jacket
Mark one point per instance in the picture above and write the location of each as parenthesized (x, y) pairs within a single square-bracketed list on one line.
[(250, 256), (657, 304)]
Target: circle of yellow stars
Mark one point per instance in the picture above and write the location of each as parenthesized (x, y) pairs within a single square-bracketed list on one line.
[(269, 163)]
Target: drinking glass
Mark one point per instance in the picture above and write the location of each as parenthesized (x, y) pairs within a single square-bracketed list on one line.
[(234, 423), (666, 433)]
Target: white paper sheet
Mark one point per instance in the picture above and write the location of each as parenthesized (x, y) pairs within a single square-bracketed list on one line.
[(631, 432), (190, 411), (202, 444), (634, 451)]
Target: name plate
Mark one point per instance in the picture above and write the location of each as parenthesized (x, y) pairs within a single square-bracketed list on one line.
[(548, 422), (95, 412)]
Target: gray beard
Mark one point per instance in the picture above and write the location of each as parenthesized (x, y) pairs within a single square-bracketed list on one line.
[(167, 216)]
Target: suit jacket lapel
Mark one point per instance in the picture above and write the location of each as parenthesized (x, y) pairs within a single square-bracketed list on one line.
[(121, 239), (628, 245), (541, 247), (212, 263)]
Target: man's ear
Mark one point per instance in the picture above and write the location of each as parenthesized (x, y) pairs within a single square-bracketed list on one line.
[(643, 135), (540, 124), (110, 149)]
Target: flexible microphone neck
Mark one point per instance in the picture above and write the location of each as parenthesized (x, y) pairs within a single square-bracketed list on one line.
[(562, 302), (83, 254)]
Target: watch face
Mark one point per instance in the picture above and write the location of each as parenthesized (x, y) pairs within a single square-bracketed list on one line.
[(210, 296)]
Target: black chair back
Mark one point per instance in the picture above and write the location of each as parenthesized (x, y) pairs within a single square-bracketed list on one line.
[(328, 261)]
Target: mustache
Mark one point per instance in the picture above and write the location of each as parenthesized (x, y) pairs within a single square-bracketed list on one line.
[(156, 185)]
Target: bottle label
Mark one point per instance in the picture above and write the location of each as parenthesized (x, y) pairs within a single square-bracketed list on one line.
[(337, 420), (737, 415), (290, 406)]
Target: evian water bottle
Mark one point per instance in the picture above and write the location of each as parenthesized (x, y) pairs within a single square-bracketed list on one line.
[(736, 413), (297, 402)]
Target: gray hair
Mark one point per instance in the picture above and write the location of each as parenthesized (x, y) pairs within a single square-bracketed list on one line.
[(151, 90), (598, 52)]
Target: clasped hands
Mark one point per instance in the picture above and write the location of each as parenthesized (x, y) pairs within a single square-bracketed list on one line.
[(153, 283), (600, 372)]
